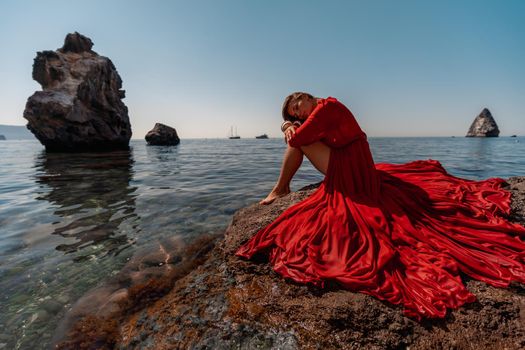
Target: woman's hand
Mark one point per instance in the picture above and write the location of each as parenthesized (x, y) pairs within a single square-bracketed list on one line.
[(289, 132)]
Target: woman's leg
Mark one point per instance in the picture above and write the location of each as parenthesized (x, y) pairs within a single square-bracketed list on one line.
[(319, 155), (293, 157)]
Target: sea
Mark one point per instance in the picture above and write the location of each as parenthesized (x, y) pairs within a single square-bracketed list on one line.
[(68, 222)]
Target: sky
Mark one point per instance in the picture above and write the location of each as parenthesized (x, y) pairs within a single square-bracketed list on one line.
[(404, 68)]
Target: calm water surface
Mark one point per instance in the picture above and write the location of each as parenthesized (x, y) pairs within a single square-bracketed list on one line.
[(70, 221)]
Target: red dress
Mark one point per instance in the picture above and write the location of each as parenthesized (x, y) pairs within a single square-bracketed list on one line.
[(401, 233)]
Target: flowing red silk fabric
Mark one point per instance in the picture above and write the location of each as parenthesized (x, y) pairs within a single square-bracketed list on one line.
[(399, 232)]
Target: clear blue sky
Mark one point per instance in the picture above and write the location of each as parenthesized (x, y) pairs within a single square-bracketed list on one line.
[(405, 68)]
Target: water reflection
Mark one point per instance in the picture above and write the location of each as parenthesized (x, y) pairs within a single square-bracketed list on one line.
[(164, 158), (162, 153), (92, 195)]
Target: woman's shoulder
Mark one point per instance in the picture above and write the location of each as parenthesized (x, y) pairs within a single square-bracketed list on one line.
[(330, 101), (331, 104), (328, 108), (327, 100)]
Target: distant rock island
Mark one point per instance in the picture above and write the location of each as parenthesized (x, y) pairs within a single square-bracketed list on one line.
[(80, 107), (162, 135), (16, 132), (2, 137), (483, 125)]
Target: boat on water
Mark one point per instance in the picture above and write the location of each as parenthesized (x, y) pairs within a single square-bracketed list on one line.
[(232, 135), (263, 136)]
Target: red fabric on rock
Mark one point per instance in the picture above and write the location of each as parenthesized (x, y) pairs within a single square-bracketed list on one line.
[(399, 232)]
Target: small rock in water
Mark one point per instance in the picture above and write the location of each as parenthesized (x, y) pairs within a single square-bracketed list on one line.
[(52, 306), (42, 316), (162, 135)]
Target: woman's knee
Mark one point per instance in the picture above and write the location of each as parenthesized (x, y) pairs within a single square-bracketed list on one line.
[(295, 149), (319, 155)]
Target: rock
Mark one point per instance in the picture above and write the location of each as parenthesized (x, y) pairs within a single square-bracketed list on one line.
[(225, 302), (80, 106), (76, 42), (52, 306), (2, 137), (162, 135), (42, 316), (483, 126)]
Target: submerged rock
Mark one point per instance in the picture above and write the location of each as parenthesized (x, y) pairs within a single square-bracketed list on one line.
[(227, 302), (483, 125), (80, 106), (162, 135)]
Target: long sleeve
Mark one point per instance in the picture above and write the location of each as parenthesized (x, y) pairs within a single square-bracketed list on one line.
[(330, 122), (312, 130)]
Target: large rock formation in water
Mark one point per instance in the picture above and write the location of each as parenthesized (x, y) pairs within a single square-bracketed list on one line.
[(229, 303), (483, 126), (80, 106), (162, 135)]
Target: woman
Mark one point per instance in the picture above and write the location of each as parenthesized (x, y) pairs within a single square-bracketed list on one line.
[(399, 232)]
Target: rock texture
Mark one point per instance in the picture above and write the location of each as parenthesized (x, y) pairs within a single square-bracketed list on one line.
[(80, 106), (483, 126), (230, 303), (162, 135)]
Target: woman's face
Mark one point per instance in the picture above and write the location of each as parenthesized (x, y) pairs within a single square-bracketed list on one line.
[(302, 107)]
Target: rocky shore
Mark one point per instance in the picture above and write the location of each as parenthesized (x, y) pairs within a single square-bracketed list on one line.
[(204, 297)]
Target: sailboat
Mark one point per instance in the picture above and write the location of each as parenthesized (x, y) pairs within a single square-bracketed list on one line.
[(232, 136)]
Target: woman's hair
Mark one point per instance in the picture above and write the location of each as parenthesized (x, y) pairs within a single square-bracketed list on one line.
[(291, 98)]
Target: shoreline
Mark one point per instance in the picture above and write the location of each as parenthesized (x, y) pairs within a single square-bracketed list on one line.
[(220, 301), (461, 137)]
